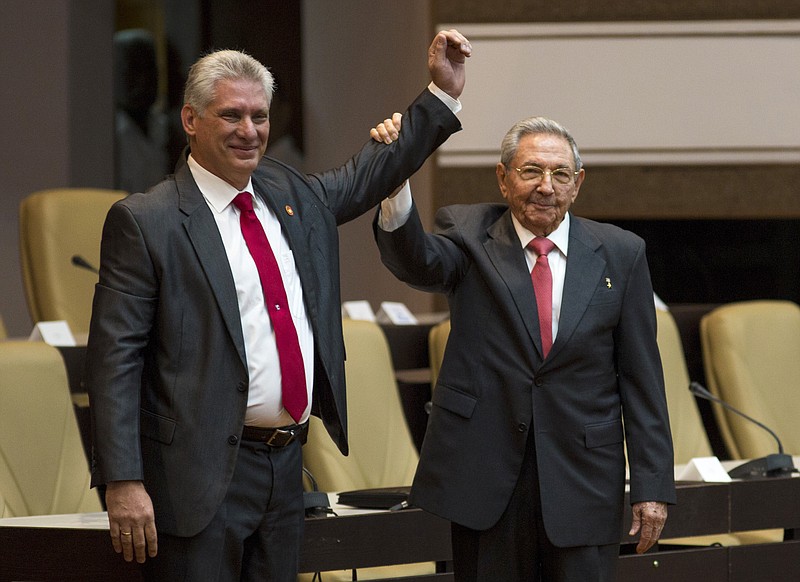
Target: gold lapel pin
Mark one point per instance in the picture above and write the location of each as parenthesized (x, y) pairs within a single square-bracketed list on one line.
[(608, 282), (289, 210)]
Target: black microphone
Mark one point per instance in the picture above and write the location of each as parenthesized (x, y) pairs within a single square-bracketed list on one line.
[(774, 465), (79, 261)]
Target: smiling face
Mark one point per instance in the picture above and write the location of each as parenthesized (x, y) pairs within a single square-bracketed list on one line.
[(540, 204), (229, 138)]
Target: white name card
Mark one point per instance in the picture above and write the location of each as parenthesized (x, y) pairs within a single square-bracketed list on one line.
[(55, 333), (707, 469), (396, 313), (360, 310)]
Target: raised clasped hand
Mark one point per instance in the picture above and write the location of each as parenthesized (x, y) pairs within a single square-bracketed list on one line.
[(447, 56)]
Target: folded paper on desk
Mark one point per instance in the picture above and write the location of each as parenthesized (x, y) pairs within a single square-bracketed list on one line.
[(378, 498), (707, 469)]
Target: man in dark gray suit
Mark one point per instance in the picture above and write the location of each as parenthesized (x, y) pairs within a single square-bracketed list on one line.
[(524, 451), (200, 457)]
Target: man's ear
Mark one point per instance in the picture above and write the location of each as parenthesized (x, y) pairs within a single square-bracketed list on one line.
[(188, 117), (578, 182), (501, 172)]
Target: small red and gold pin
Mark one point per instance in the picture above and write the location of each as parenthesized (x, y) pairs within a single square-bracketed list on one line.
[(289, 210)]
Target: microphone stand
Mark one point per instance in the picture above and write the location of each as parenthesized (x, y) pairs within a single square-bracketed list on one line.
[(774, 465)]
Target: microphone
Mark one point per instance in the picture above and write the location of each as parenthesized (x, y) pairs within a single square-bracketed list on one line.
[(79, 261), (775, 465)]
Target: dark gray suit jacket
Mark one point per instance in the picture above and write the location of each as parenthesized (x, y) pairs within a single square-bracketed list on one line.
[(494, 386), (166, 369)]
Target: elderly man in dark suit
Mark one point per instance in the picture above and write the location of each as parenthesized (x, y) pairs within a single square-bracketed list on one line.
[(216, 327), (550, 367)]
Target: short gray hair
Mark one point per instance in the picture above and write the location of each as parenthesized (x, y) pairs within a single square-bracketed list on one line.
[(535, 125), (220, 65)]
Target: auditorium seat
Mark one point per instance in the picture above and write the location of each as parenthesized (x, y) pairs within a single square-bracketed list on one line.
[(43, 467), (55, 226), (751, 353)]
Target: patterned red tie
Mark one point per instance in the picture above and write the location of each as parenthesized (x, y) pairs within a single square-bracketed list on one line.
[(293, 377), (543, 289)]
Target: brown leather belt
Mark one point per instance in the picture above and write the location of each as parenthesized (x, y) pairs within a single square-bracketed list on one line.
[(275, 437)]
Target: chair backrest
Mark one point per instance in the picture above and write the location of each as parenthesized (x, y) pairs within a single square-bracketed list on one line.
[(382, 451), (751, 354), (43, 467), (3, 332), (689, 438), (54, 226), (437, 342)]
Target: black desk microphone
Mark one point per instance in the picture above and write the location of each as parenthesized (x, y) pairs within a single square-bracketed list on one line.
[(79, 261), (774, 465)]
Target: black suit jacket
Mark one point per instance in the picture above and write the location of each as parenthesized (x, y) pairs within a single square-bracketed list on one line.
[(166, 369), (494, 386)]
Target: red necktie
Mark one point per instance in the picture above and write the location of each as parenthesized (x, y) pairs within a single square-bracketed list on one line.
[(293, 377), (543, 289)]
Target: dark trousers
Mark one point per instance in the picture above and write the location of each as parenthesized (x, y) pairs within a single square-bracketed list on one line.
[(256, 533), (517, 549)]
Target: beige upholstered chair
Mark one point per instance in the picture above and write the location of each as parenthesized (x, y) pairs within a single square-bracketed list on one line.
[(43, 467), (55, 226), (382, 451), (689, 436), (688, 432), (751, 353)]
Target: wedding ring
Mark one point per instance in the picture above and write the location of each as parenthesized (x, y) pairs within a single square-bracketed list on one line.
[(125, 533)]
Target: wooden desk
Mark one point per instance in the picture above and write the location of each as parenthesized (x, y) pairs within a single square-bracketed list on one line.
[(371, 539)]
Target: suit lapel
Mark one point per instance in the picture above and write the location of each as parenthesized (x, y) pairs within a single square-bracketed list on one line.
[(508, 257), (584, 269), (205, 238)]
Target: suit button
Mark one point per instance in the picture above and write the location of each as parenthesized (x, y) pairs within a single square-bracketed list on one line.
[(242, 386), (233, 439), (539, 382), (522, 427)]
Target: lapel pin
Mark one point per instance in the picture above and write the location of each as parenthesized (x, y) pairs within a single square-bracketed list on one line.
[(289, 210), (608, 282)]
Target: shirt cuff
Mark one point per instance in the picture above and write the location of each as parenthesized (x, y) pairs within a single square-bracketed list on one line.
[(395, 211), (453, 104)]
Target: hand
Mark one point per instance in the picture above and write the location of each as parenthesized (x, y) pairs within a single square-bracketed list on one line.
[(388, 130), (131, 520), (446, 57), (649, 516)]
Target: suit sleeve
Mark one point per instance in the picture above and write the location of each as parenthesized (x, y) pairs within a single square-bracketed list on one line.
[(641, 381), (377, 169), (122, 314), (429, 262)]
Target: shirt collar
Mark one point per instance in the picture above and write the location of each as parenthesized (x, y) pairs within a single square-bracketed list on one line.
[(217, 192), (560, 236)]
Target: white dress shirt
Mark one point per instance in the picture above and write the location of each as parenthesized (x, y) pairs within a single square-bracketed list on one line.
[(264, 403)]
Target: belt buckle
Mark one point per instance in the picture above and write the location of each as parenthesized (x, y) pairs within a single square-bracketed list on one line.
[(287, 435)]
